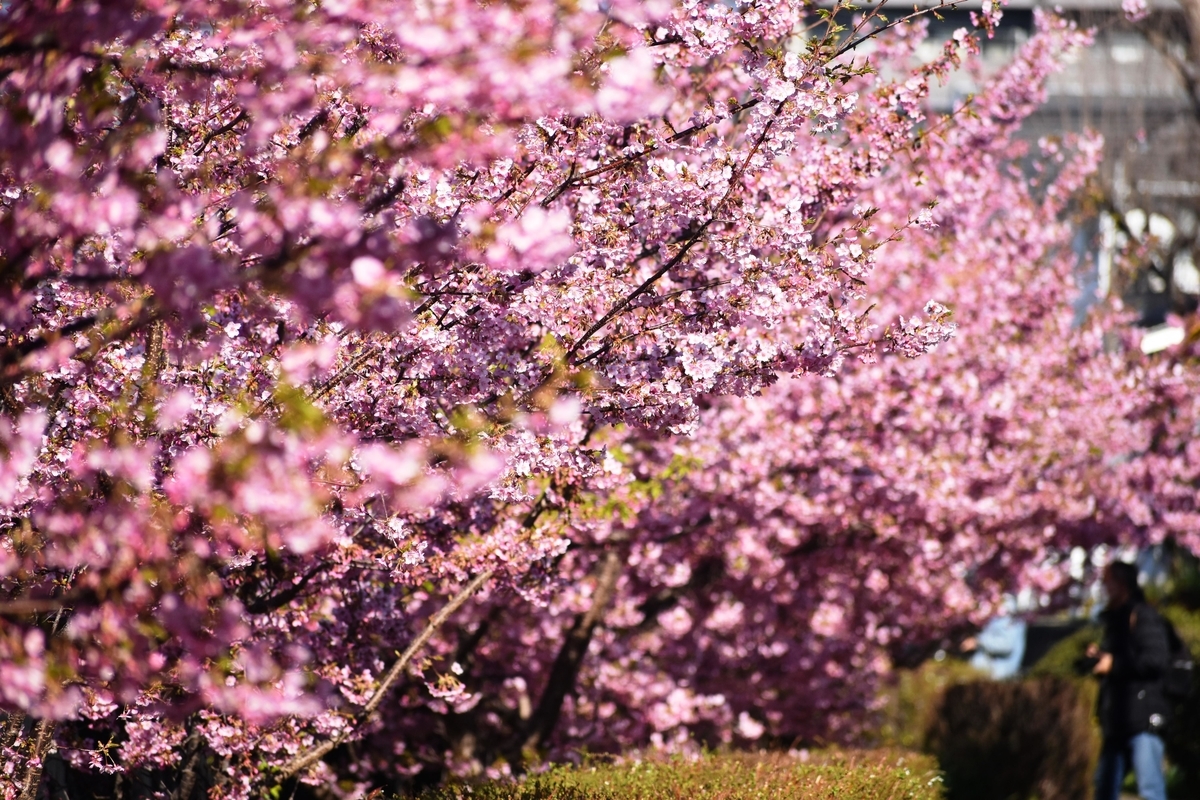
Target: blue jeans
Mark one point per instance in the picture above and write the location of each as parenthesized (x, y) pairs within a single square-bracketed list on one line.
[(1144, 752)]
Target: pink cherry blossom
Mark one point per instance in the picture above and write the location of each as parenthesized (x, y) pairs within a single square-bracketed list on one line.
[(460, 380)]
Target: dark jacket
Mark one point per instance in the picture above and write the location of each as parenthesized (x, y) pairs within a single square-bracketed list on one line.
[(1132, 699)]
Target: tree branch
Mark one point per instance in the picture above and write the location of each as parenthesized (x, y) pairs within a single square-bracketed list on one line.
[(855, 42), (565, 670), (314, 754), (193, 750), (226, 128), (43, 738), (683, 251), (263, 605), (1185, 69), (574, 180)]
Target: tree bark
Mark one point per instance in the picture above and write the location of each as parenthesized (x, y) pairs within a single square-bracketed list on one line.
[(1191, 16), (13, 723), (35, 760), (193, 751), (565, 670)]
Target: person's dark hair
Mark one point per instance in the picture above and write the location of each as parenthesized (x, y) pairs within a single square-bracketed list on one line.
[(1126, 574)]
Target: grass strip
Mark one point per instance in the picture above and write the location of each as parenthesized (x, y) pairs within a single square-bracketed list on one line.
[(823, 775)]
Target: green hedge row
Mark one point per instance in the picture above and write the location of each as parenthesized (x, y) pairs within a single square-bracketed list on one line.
[(1014, 740), (851, 775), (911, 701), (1183, 732)]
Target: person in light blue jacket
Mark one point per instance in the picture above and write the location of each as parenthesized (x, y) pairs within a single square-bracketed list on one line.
[(1000, 646)]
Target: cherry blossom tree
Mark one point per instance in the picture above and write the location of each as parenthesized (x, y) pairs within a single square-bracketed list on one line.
[(391, 387)]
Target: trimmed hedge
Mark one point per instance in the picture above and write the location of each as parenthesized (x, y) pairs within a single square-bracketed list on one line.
[(1183, 732), (852, 775), (1013, 740), (913, 696)]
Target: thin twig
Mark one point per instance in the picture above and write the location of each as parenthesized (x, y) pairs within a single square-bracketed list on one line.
[(572, 180), (853, 43), (683, 251)]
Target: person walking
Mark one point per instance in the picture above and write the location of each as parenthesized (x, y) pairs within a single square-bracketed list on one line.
[(1132, 661)]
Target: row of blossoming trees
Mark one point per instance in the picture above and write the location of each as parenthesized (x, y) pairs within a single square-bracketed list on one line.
[(396, 386)]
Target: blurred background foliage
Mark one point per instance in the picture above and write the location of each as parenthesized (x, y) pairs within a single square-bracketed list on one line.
[(1035, 737)]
